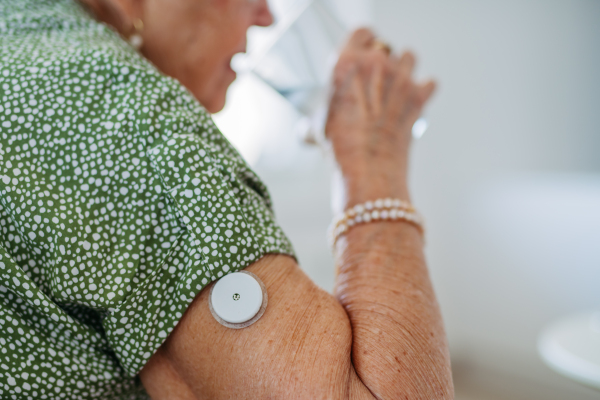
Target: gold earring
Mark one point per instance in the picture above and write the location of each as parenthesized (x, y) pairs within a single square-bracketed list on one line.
[(136, 39)]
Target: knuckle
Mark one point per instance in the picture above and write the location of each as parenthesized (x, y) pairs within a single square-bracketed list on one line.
[(343, 67), (409, 57), (347, 58), (402, 78), (377, 57), (361, 37), (362, 33), (403, 87)]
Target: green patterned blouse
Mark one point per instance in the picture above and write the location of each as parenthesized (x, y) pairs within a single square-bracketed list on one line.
[(119, 202)]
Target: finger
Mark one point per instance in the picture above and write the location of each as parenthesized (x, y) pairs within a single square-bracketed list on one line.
[(360, 39), (347, 104), (420, 94), (411, 111), (425, 91), (402, 85), (406, 63), (349, 90), (376, 89), (344, 69), (358, 91)]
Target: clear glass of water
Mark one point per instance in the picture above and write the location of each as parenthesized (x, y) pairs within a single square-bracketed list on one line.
[(297, 60)]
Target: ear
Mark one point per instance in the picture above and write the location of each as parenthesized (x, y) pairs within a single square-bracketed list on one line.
[(119, 14)]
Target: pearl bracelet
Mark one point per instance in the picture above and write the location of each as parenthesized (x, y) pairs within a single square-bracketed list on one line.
[(378, 210)]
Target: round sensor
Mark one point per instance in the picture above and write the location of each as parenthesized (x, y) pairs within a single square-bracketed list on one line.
[(237, 297)]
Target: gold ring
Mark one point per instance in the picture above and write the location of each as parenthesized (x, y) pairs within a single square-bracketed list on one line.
[(379, 44)]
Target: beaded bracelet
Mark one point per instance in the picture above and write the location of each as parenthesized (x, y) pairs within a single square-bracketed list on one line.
[(378, 210)]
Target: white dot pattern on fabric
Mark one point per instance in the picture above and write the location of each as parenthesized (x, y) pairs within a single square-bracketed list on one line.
[(119, 202)]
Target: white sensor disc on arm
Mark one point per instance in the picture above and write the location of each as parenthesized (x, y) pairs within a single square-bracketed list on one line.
[(238, 299)]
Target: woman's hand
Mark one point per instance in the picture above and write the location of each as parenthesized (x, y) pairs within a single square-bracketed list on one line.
[(374, 106)]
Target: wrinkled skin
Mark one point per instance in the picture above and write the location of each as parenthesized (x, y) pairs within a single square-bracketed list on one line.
[(374, 107)]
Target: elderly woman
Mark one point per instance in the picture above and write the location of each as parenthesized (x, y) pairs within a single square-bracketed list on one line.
[(122, 204)]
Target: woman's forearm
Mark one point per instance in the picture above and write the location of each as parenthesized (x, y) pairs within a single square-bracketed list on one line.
[(399, 349), (399, 346)]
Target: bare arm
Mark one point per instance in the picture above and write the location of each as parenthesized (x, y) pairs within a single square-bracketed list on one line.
[(399, 347), (381, 336), (300, 348)]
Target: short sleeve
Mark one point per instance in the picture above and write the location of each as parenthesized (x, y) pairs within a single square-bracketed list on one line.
[(120, 198), (220, 222)]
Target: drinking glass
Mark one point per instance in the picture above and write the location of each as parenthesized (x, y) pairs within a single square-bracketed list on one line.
[(297, 60)]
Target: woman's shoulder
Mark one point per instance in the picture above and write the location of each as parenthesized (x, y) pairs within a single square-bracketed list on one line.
[(55, 54), (79, 79)]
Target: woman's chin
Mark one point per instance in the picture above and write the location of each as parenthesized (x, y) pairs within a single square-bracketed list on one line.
[(215, 100), (215, 103)]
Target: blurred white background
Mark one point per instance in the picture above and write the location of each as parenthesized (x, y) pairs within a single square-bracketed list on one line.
[(507, 175)]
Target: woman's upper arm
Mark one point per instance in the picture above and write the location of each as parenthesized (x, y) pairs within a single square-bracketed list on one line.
[(300, 347)]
